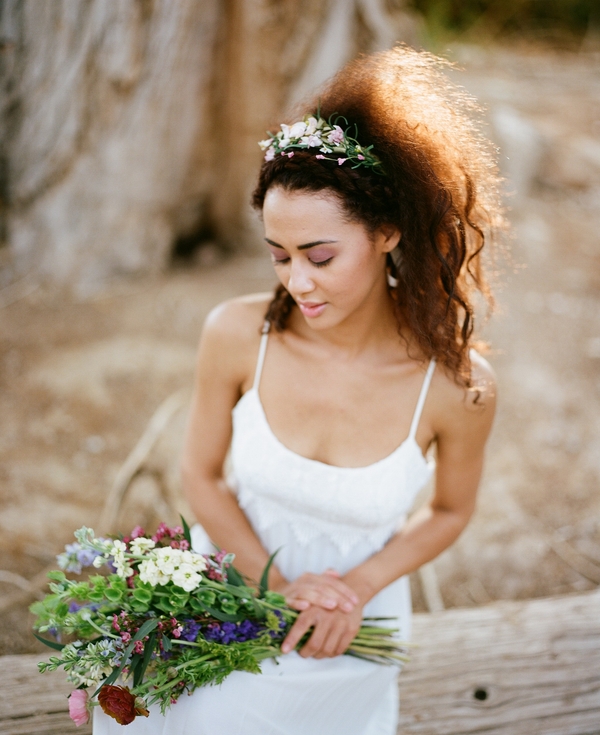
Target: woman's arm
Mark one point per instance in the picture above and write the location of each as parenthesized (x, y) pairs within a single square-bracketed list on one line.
[(226, 356), (225, 366), (462, 427)]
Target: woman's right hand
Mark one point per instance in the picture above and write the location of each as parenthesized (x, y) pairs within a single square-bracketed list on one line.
[(324, 590)]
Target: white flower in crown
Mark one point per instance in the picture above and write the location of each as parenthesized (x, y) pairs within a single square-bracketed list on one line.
[(326, 136)]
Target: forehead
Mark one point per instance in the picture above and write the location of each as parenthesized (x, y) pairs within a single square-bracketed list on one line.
[(304, 213)]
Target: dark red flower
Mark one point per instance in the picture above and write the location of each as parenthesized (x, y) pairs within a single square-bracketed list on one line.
[(119, 702)]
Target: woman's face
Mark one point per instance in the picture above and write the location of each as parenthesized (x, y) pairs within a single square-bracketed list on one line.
[(331, 267)]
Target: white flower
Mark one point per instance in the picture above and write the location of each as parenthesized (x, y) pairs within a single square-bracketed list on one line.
[(140, 545), (297, 130), (186, 577), (197, 561), (325, 149), (285, 132), (123, 569), (98, 562), (264, 144), (118, 547), (151, 574), (311, 125), (167, 559)]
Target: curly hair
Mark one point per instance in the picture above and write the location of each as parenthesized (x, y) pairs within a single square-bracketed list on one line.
[(440, 189)]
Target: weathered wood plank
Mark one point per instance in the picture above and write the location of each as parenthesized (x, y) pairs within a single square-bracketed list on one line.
[(509, 668), (34, 703)]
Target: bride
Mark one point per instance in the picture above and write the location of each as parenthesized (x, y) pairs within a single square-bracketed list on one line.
[(333, 392)]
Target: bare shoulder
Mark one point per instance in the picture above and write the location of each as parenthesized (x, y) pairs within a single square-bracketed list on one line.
[(231, 335), (459, 409), (239, 318)]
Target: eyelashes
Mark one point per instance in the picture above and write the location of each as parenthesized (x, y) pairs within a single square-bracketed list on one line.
[(316, 263)]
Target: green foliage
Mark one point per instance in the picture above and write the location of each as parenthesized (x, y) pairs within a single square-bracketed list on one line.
[(445, 18)]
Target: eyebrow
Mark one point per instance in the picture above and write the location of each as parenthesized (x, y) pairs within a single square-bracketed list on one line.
[(306, 246)]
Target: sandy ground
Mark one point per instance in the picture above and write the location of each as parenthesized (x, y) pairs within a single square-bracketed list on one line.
[(79, 381)]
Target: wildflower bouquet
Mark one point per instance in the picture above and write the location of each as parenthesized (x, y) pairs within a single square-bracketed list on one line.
[(164, 620)]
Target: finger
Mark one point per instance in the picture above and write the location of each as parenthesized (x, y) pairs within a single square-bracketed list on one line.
[(332, 573), (330, 646), (317, 639), (297, 603), (345, 642), (303, 622), (327, 598)]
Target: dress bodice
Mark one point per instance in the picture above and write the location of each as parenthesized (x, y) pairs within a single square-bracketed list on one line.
[(349, 506)]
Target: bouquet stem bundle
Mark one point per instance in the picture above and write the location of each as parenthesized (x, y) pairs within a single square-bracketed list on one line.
[(165, 620)]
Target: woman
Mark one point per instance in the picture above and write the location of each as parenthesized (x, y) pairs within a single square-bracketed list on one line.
[(332, 391)]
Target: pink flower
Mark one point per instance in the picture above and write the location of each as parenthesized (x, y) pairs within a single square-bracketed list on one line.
[(270, 154), (137, 532), (78, 710), (138, 647), (360, 158), (319, 156), (341, 160), (184, 545), (336, 135), (290, 154), (125, 637)]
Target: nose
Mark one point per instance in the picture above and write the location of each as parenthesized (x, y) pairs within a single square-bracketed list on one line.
[(300, 281)]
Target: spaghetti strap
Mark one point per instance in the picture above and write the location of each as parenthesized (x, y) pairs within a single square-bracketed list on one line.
[(261, 354), (422, 396)]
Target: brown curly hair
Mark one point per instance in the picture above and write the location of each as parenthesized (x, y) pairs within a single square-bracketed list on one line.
[(440, 189)]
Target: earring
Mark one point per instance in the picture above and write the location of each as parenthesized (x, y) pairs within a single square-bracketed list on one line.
[(392, 282)]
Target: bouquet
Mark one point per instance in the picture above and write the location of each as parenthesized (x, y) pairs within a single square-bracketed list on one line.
[(163, 620)]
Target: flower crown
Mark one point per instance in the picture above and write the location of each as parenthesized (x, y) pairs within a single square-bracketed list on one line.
[(325, 136)]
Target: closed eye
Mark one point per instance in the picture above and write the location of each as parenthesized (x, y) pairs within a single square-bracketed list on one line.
[(317, 263)]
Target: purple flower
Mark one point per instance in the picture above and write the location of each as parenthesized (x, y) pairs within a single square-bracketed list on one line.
[(190, 630)]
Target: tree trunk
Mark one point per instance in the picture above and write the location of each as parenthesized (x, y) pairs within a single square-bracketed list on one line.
[(130, 125)]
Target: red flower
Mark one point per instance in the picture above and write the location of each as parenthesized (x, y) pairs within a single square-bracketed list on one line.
[(119, 703)]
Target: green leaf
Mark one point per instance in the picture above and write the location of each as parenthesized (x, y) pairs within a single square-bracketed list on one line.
[(141, 669), (264, 580), (234, 577), (142, 595), (112, 594), (221, 615), (57, 576), (186, 531), (51, 644), (166, 643)]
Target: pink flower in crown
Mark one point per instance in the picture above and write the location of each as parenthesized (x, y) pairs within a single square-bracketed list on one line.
[(270, 154), (336, 135), (360, 158), (290, 154), (78, 710), (341, 160), (319, 156)]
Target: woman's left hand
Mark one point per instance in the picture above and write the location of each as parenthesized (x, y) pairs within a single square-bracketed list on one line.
[(333, 631)]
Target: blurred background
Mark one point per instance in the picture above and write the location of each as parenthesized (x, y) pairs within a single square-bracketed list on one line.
[(128, 151)]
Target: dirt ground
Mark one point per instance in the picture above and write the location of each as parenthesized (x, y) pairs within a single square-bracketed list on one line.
[(79, 380)]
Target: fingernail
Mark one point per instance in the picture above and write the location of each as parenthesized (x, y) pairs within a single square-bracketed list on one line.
[(330, 603), (285, 648)]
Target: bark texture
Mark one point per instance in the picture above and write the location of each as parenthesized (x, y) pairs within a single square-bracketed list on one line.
[(129, 125)]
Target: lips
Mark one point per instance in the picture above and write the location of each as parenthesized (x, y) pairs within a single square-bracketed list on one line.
[(311, 309)]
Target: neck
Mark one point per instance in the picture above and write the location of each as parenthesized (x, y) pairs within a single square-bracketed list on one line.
[(370, 325)]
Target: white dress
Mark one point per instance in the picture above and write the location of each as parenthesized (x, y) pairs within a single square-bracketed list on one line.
[(319, 516)]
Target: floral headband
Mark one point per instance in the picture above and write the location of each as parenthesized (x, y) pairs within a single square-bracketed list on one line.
[(325, 136)]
